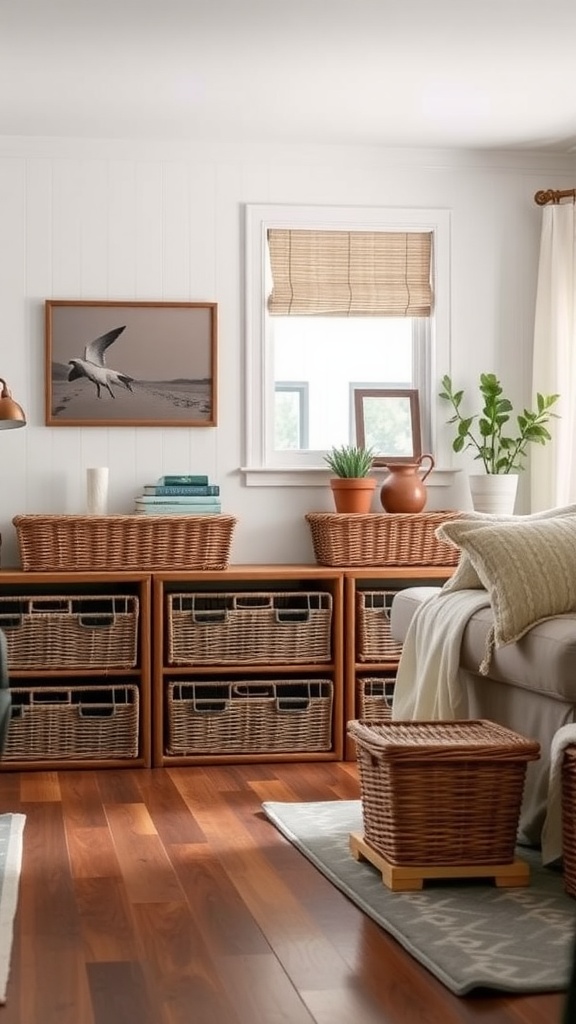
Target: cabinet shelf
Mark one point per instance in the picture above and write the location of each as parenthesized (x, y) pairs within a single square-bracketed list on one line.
[(79, 658), (356, 583), (257, 721)]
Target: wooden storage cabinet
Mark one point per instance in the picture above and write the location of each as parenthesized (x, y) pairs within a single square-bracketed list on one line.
[(248, 665), (79, 659), (371, 654)]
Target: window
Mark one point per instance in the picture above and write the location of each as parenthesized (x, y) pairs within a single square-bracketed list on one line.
[(302, 370)]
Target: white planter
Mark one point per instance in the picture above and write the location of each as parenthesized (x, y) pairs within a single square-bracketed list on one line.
[(494, 492)]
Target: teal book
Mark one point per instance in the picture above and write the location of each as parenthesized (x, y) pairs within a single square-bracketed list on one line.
[(177, 499), (173, 490), (183, 480)]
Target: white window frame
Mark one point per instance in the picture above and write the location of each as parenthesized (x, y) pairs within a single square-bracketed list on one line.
[(304, 468)]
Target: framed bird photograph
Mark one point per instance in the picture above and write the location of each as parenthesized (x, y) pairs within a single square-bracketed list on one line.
[(130, 364)]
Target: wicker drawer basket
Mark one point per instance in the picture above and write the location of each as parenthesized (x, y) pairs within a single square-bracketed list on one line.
[(73, 723), (374, 641), (70, 632), (403, 538), (569, 819), (256, 716), (125, 543), (222, 629), (441, 792), (374, 696)]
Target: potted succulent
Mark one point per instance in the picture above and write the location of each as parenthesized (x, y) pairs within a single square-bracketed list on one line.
[(502, 450), (352, 485)]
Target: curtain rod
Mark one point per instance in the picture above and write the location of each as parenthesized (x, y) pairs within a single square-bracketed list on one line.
[(551, 196)]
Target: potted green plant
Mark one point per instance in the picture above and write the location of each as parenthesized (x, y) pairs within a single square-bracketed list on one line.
[(352, 485), (501, 449)]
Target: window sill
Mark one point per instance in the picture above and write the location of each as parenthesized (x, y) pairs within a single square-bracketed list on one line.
[(315, 476)]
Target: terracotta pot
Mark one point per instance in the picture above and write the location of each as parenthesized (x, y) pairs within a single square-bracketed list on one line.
[(403, 489), (353, 494)]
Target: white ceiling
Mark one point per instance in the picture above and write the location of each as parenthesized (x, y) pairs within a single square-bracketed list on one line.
[(433, 73)]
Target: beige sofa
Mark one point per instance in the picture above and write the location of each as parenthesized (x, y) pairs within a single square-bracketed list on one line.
[(530, 687)]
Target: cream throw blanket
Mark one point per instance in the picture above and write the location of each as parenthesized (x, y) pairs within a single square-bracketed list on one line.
[(552, 830), (427, 687)]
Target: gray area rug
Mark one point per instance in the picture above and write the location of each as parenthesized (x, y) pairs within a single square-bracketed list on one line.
[(469, 935), (11, 831)]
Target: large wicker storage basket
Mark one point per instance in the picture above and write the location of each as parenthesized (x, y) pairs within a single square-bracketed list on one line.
[(73, 723), (92, 631), (441, 793), (256, 716), (374, 640), (131, 543), (208, 629), (569, 818), (403, 538)]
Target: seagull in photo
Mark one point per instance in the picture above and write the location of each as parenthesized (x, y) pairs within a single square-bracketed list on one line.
[(93, 366)]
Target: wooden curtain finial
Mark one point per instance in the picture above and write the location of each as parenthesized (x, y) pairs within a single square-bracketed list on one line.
[(550, 195)]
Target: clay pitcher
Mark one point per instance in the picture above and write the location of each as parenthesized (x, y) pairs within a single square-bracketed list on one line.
[(404, 489)]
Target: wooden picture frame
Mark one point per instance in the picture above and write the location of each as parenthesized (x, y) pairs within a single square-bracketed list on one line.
[(130, 364), (388, 420)]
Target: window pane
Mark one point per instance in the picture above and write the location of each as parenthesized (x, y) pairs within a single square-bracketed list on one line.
[(331, 356), (290, 416)]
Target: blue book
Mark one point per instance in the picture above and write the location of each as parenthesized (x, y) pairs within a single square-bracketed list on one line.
[(173, 490), (177, 499), (183, 480)]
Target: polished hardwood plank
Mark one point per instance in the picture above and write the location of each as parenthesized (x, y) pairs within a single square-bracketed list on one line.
[(164, 896)]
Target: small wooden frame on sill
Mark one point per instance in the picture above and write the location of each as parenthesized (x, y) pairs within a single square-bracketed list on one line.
[(388, 421)]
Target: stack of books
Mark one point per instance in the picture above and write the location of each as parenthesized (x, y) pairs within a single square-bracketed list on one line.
[(180, 496)]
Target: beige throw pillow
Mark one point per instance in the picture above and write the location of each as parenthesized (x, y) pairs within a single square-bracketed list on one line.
[(465, 577), (528, 569)]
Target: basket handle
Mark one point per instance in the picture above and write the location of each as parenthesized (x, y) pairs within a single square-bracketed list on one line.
[(292, 704), (252, 601), (97, 710), (11, 621), (210, 618), (253, 690), (51, 697), (288, 615), (210, 705), (103, 621), (42, 605)]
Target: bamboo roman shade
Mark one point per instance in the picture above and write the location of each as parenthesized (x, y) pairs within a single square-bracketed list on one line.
[(350, 273)]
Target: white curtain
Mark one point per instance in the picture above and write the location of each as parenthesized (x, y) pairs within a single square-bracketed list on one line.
[(553, 467)]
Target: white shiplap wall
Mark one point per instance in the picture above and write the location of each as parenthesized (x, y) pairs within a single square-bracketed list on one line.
[(121, 220)]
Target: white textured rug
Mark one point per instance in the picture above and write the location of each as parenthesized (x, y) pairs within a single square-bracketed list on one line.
[(11, 832), (470, 935)]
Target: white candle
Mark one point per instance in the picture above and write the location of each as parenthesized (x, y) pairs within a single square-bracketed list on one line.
[(97, 491)]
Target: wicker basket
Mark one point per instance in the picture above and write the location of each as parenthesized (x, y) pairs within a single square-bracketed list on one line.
[(209, 629), (569, 819), (374, 695), (256, 716), (132, 542), (72, 723), (441, 793), (404, 538), (374, 641), (70, 632)]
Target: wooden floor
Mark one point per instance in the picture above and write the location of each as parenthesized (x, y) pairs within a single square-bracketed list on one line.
[(164, 896)]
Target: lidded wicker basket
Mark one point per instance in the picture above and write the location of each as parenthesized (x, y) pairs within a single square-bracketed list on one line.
[(444, 793), (569, 819)]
